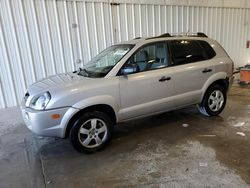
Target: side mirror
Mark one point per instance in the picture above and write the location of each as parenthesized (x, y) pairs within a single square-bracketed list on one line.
[(129, 69)]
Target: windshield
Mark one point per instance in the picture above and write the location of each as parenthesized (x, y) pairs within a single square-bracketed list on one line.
[(101, 64)]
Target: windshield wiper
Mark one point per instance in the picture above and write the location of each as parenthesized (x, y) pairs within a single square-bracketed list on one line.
[(82, 72)]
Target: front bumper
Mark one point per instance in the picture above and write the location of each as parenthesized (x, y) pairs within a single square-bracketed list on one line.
[(42, 123)]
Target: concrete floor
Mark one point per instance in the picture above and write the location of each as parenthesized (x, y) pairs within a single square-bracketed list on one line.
[(153, 152)]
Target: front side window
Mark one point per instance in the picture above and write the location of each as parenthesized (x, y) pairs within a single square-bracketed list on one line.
[(101, 64), (150, 57), (187, 51)]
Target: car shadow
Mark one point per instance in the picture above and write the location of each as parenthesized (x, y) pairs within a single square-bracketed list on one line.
[(167, 127), (140, 137)]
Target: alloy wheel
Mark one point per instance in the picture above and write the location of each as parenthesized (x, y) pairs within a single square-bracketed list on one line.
[(215, 100), (92, 133)]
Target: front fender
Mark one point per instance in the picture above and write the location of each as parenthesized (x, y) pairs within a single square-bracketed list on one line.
[(100, 99), (211, 80), (96, 100)]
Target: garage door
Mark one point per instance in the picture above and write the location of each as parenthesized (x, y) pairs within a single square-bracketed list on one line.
[(45, 37)]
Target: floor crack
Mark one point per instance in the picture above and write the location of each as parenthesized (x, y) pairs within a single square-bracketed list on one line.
[(43, 170)]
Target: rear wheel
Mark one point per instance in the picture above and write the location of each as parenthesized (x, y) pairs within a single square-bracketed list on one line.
[(214, 101), (91, 132)]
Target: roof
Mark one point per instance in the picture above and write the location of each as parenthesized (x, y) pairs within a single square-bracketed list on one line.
[(166, 36)]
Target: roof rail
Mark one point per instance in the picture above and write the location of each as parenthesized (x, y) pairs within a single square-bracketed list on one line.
[(160, 36), (198, 34), (165, 35)]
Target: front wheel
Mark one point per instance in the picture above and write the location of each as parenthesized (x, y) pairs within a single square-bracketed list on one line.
[(91, 132), (214, 101)]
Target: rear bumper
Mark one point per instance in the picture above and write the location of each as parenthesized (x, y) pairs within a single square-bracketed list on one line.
[(230, 81), (42, 123)]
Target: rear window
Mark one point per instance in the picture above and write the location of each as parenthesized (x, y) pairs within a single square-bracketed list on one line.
[(189, 51)]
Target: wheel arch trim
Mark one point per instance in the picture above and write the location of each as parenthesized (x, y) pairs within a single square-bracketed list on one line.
[(86, 103)]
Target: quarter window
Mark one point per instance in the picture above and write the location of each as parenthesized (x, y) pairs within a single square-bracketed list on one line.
[(209, 50), (150, 57)]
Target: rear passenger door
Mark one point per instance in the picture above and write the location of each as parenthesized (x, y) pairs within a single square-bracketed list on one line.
[(193, 66)]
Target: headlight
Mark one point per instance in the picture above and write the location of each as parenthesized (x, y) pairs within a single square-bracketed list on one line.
[(40, 102)]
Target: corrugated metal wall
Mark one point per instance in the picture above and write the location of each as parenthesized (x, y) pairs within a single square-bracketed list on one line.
[(39, 38)]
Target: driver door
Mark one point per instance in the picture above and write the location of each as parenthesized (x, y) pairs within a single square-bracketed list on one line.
[(150, 88)]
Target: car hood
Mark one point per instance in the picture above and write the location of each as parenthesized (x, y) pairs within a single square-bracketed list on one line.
[(69, 88), (55, 82)]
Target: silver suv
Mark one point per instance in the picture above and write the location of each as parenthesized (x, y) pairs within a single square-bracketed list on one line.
[(130, 80)]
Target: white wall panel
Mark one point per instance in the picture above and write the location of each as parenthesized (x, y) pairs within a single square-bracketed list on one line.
[(39, 38)]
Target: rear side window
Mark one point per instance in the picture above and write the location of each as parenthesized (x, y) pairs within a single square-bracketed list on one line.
[(209, 50), (189, 51)]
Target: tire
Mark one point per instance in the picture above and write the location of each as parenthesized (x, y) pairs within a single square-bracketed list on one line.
[(214, 101), (91, 132)]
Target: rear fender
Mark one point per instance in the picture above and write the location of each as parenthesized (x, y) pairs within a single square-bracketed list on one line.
[(211, 80)]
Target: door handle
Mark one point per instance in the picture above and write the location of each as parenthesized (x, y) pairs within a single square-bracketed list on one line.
[(207, 70), (164, 78)]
